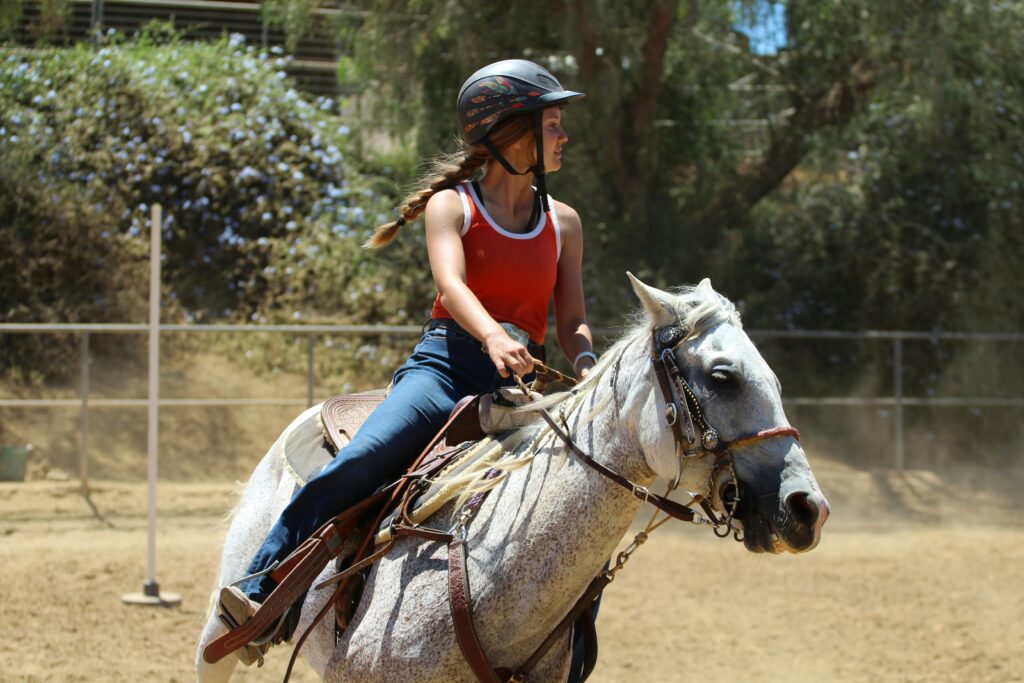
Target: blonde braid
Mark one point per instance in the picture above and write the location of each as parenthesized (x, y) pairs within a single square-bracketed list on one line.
[(446, 172)]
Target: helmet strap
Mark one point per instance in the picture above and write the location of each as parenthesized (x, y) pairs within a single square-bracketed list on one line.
[(486, 142), (537, 169)]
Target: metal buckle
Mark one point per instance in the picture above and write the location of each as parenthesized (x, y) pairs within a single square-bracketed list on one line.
[(671, 413), (642, 492)]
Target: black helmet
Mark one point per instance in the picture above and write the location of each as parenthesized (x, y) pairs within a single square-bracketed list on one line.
[(503, 89)]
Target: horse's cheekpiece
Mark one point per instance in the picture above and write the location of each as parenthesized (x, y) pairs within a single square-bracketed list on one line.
[(682, 402)]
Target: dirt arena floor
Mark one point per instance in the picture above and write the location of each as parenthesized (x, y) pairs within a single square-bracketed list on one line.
[(916, 580)]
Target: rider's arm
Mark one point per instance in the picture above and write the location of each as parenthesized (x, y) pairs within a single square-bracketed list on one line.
[(444, 218), (570, 310)]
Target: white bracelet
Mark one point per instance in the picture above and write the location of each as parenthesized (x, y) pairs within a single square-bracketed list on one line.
[(583, 354)]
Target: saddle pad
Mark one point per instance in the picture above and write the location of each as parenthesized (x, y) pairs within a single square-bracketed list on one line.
[(302, 447), (442, 490)]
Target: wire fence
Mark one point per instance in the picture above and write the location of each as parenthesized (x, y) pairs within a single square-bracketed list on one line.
[(896, 401)]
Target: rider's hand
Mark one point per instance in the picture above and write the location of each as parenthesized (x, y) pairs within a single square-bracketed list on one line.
[(508, 354)]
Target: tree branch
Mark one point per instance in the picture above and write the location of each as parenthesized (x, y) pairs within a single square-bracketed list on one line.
[(834, 108)]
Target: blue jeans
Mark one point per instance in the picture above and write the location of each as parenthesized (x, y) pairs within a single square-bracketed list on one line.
[(446, 365)]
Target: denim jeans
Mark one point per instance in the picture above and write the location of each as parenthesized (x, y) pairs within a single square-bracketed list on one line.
[(446, 365)]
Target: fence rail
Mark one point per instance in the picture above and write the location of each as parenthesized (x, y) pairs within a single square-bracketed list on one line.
[(897, 401)]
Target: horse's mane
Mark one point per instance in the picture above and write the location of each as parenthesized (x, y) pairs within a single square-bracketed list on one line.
[(697, 309)]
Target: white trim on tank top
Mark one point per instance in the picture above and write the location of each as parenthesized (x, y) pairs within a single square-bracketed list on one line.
[(500, 230), (558, 231), (465, 209)]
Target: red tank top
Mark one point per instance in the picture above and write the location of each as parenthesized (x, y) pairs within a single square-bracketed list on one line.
[(512, 274)]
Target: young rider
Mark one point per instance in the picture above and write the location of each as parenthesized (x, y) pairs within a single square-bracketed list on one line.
[(500, 249)]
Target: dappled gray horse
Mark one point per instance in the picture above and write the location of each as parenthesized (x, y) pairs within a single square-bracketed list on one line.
[(551, 521)]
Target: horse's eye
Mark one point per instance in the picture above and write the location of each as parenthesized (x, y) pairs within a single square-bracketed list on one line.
[(723, 377)]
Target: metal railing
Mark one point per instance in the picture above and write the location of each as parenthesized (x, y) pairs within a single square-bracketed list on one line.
[(897, 401), (315, 58)]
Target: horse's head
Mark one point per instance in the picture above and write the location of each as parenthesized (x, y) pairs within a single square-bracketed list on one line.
[(734, 445)]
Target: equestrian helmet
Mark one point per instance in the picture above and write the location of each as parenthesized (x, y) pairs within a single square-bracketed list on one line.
[(503, 89)]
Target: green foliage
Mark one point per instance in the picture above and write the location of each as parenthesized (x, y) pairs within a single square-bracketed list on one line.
[(51, 25), (216, 133), (265, 208), (59, 262)]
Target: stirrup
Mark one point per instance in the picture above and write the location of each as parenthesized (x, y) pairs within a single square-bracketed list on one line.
[(234, 609), (274, 565)]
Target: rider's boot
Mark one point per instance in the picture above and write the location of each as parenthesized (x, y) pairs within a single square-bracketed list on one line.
[(234, 609)]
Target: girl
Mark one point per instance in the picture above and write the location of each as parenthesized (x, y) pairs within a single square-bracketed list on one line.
[(500, 249)]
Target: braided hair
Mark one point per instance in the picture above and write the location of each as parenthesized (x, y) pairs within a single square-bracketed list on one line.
[(446, 172)]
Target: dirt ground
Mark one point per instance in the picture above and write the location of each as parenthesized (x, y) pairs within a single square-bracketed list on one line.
[(919, 578), (909, 584)]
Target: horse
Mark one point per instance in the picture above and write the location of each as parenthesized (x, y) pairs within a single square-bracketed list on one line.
[(551, 522)]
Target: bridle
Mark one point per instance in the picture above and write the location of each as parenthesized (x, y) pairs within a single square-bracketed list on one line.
[(694, 438), (692, 434)]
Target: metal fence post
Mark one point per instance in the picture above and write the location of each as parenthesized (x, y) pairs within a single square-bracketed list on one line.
[(83, 418), (897, 381), (310, 340), (96, 21), (151, 594)]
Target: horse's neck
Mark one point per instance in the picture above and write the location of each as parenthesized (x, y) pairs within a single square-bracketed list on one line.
[(555, 524)]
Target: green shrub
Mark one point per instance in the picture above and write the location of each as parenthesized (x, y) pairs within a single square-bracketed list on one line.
[(264, 201), (59, 262), (214, 132)]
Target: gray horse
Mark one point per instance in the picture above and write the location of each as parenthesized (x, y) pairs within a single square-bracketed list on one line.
[(551, 522)]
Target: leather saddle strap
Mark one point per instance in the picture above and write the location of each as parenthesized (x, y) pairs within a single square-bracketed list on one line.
[(384, 550), (304, 564), (666, 505), (462, 617), (465, 632), (353, 569), (586, 623)]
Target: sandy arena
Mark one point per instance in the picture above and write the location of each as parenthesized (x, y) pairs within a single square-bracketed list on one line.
[(903, 588)]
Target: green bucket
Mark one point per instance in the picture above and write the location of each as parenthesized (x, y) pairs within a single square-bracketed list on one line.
[(12, 462)]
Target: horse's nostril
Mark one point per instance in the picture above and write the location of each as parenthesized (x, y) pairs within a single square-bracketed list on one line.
[(803, 509)]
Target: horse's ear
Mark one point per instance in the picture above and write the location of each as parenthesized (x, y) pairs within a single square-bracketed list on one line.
[(657, 302), (705, 285)]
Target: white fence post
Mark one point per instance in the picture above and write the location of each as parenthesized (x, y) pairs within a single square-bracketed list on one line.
[(150, 588)]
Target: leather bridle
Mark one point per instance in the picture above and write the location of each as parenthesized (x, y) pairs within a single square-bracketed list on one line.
[(693, 436)]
